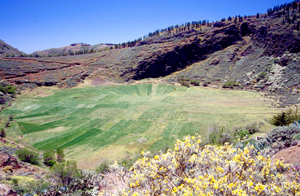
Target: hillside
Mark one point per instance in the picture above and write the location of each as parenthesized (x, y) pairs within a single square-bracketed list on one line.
[(7, 50), (255, 52)]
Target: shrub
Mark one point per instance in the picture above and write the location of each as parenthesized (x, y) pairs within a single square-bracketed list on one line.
[(29, 185), (230, 84), (2, 133), (11, 90), (279, 119), (28, 156), (184, 81), (10, 117), (252, 128), (65, 172), (206, 83), (49, 158), (7, 124), (14, 181), (6, 88), (181, 79), (195, 82), (60, 155), (261, 76), (240, 132), (103, 167), (218, 135), (285, 118), (196, 169)]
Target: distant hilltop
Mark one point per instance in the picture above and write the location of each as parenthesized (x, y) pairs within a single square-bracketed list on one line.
[(73, 49)]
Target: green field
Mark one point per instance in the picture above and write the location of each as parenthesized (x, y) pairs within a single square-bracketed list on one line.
[(97, 123)]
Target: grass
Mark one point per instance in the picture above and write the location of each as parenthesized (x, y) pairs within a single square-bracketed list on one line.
[(90, 120)]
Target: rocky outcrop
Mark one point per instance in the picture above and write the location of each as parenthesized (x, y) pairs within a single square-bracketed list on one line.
[(186, 53), (5, 190), (7, 159)]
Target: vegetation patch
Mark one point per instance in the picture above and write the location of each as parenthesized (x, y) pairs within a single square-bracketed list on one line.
[(99, 117), (193, 168), (231, 84)]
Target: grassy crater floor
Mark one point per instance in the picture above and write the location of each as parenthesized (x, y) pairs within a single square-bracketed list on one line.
[(97, 123)]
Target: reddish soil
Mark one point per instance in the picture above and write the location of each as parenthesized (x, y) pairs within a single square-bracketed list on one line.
[(290, 155)]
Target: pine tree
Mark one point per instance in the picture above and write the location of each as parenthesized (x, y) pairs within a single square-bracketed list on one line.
[(294, 5), (240, 19), (257, 15), (294, 18)]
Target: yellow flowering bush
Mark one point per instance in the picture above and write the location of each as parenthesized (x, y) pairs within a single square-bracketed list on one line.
[(193, 168)]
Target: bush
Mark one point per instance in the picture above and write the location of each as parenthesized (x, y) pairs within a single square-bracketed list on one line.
[(218, 135), (103, 167), (196, 169), (240, 132), (65, 172), (195, 82), (230, 84), (29, 186), (2, 133), (184, 81), (7, 124), (186, 84), (252, 128), (14, 181), (6, 88), (60, 155), (11, 90), (181, 79), (49, 158), (206, 83), (285, 118), (28, 156), (261, 76)]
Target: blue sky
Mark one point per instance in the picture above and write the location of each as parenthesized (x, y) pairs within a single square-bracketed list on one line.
[(32, 25)]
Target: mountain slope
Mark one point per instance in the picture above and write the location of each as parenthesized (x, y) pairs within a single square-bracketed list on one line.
[(256, 52), (7, 50)]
